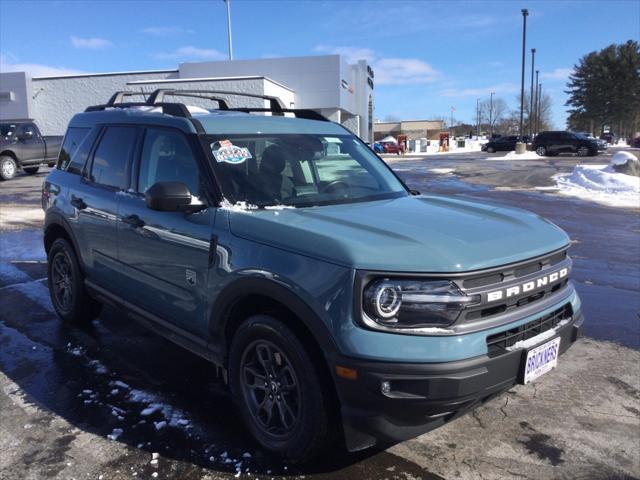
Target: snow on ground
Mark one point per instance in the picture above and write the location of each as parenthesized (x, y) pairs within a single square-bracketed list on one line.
[(514, 156), (442, 171), (601, 184)]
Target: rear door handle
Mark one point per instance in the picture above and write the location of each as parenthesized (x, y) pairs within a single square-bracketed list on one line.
[(133, 220), (78, 202)]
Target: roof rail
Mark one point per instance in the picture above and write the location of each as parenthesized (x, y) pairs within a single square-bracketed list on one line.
[(157, 97), (175, 109), (298, 112), (118, 97)]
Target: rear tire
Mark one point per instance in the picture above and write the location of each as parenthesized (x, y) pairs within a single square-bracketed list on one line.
[(69, 297), (490, 149), (31, 170), (8, 168), (278, 390), (542, 151)]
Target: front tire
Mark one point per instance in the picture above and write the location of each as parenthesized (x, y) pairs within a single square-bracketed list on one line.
[(31, 170), (8, 168), (69, 297), (490, 150), (583, 151), (542, 151), (277, 389)]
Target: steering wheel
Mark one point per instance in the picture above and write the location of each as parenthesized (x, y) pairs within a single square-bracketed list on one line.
[(335, 185)]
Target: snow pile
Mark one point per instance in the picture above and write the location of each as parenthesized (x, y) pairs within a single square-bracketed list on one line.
[(243, 207), (602, 184), (514, 156)]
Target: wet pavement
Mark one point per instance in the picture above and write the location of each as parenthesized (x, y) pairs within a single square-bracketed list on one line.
[(113, 400)]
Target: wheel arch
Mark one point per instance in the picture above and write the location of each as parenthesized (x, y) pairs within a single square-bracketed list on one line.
[(10, 153), (55, 226)]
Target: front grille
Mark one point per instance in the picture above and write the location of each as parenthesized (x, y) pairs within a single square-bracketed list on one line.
[(498, 343)]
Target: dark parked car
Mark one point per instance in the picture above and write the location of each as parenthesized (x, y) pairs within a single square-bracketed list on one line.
[(503, 144), (337, 303), (23, 147), (553, 143)]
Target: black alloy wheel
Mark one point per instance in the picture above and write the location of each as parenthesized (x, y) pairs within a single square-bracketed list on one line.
[(270, 387)]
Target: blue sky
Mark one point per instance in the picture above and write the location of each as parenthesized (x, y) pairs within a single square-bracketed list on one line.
[(428, 56)]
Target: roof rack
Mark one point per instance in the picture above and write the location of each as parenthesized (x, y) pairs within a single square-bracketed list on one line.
[(156, 99), (158, 96)]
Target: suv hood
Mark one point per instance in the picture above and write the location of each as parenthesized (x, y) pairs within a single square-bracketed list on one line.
[(408, 234)]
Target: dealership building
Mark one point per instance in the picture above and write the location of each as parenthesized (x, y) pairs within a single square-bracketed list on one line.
[(327, 84)]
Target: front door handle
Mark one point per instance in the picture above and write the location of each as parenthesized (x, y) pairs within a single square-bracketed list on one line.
[(134, 221), (78, 202)]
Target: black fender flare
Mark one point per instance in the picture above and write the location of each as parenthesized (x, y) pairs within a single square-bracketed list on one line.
[(55, 219), (274, 290)]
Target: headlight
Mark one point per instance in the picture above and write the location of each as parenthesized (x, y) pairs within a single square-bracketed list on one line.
[(414, 304)]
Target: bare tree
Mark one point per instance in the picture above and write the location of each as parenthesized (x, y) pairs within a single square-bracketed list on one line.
[(492, 113)]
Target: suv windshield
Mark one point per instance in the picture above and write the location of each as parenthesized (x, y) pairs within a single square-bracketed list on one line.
[(300, 170), (7, 129)]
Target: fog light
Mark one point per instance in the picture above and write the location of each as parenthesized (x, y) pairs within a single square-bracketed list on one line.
[(385, 387)]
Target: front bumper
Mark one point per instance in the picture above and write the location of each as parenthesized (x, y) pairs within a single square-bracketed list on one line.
[(425, 396)]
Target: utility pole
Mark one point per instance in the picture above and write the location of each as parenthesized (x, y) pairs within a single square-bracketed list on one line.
[(535, 115), (525, 13), (491, 115), (531, 117), (228, 2)]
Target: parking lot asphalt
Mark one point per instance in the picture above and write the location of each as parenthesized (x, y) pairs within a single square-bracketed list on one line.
[(91, 402)]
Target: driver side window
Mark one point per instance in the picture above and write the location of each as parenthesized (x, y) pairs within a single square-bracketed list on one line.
[(167, 157)]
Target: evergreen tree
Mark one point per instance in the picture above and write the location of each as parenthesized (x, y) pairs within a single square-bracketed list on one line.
[(604, 90)]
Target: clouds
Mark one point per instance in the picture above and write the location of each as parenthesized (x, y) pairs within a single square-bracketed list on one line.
[(480, 91), (94, 43), (558, 74), (388, 70), (191, 53), (8, 63), (166, 31)]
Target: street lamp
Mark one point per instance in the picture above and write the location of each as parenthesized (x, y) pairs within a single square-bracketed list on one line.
[(228, 2), (539, 112), (531, 117), (491, 115), (535, 117), (520, 148), (478, 117)]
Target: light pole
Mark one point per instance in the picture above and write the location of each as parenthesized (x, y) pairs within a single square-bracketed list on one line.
[(228, 2), (525, 13), (535, 117), (538, 109), (491, 115), (478, 117), (531, 117)]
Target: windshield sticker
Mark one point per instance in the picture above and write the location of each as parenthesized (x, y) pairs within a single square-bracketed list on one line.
[(229, 153), (332, 140)]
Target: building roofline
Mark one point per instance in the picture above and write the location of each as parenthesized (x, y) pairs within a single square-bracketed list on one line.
[(207, 79), (80, 75)]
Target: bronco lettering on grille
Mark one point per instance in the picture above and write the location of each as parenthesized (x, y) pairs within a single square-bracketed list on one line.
[(528, 286)]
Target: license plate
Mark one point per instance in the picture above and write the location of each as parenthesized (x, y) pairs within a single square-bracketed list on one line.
[(541, 359)]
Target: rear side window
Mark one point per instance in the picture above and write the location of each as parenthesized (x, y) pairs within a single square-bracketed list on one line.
[(72, 141), (109, 166)]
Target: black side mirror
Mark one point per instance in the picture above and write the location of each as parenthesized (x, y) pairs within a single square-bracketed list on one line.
[(168, 197)]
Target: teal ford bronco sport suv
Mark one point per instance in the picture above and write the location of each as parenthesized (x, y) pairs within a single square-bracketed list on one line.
[(335, 302)]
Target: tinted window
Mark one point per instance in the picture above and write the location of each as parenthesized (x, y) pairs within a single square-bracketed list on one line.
[(72, 141), (112, 156), (167, 157)]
